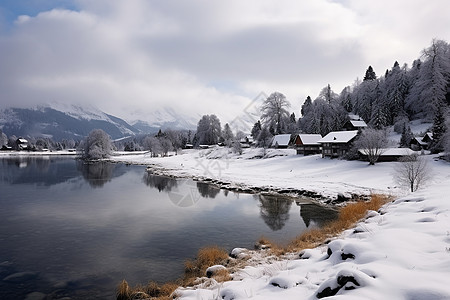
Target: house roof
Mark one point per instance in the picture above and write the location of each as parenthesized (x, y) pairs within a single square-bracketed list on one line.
[(392, 152), (339, 137), (281, 140), (21, 140), (354, 117), (310, 139), (358, 123)]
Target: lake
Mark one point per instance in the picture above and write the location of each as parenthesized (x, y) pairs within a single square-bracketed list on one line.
[(69, 229)]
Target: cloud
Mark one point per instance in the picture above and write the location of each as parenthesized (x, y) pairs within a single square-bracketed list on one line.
[(130, 58)]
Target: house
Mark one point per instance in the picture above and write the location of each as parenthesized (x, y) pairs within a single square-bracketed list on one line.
[(21, 144), (247, 141), (337, 143), (308, 144), (351, 125), (421, 142), (281, 141), (389, 154)]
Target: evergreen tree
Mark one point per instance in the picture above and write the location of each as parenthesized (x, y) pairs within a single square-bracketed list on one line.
[(228, 135), (439, 129), (306, 106), (370, 74), (406, 137), (256, 130)]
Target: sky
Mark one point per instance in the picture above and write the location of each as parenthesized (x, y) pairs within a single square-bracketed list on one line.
[(130, 58)]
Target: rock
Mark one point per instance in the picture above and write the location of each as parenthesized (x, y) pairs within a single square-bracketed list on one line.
[(213, 270), (238, 253), (20, 277)]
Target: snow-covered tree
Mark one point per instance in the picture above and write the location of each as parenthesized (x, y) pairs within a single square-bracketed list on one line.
[(256, 130), (372, 142), (208, 130), (97, 145), (439, 129), (152, 144), (3, 138), (370, 74), (264, 139), (306, 106), (328, 94), (431, 88), (345, 99), (275, 113), (227, 135), (406, 137)]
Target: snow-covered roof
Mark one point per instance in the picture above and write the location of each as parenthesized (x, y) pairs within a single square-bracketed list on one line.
[(310, 139), (358, 123), (339, 137), (354, 117), (392, 152), (20, 140), (281, 140)]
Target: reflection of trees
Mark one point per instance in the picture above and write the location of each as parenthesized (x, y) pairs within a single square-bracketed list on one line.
[(207, 190), (319, 214), (274, 211), (96, 174), (162, 183)]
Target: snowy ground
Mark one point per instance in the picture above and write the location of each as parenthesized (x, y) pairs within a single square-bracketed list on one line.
[(401, 252)]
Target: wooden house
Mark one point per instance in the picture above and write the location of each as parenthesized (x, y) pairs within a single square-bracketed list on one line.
[(308, 144), (281, 141), (421, 142), (21, 144), (337, 143), (351, 125)]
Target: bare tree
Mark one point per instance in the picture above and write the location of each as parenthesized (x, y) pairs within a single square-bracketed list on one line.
[(412, 171), (372, 143)]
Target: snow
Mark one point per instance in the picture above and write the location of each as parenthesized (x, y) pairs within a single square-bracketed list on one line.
[(281, 140), (400, 252), (310, 139), (339, 137), (358, 123)]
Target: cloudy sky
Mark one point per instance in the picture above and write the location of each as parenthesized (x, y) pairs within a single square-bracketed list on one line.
[(132, 57)]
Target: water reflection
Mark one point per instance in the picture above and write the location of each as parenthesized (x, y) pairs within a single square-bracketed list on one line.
[(313, 213), (162, 183), (274, 211), (207, 190), (42, 170), (96, 174)]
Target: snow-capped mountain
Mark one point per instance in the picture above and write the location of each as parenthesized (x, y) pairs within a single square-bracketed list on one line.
[(68, 121), (63, 121), (163, 119)]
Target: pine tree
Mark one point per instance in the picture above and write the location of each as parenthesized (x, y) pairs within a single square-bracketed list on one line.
[(439, 129), (370, 74), (406, 137)]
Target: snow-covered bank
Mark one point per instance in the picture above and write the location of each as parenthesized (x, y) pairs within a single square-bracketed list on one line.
[(400, 252), (403, 252), (281, 170)]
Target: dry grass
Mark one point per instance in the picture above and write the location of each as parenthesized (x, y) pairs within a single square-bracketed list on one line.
[(206, 257), (349, 215)]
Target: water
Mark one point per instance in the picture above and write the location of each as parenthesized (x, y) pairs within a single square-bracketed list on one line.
[(68, 229)]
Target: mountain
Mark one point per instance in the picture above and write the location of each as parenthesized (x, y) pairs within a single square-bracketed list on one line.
[(62, 122), (163, 119), (68, 121)]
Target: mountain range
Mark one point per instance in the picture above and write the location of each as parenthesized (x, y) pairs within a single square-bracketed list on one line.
[(66, 121)]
